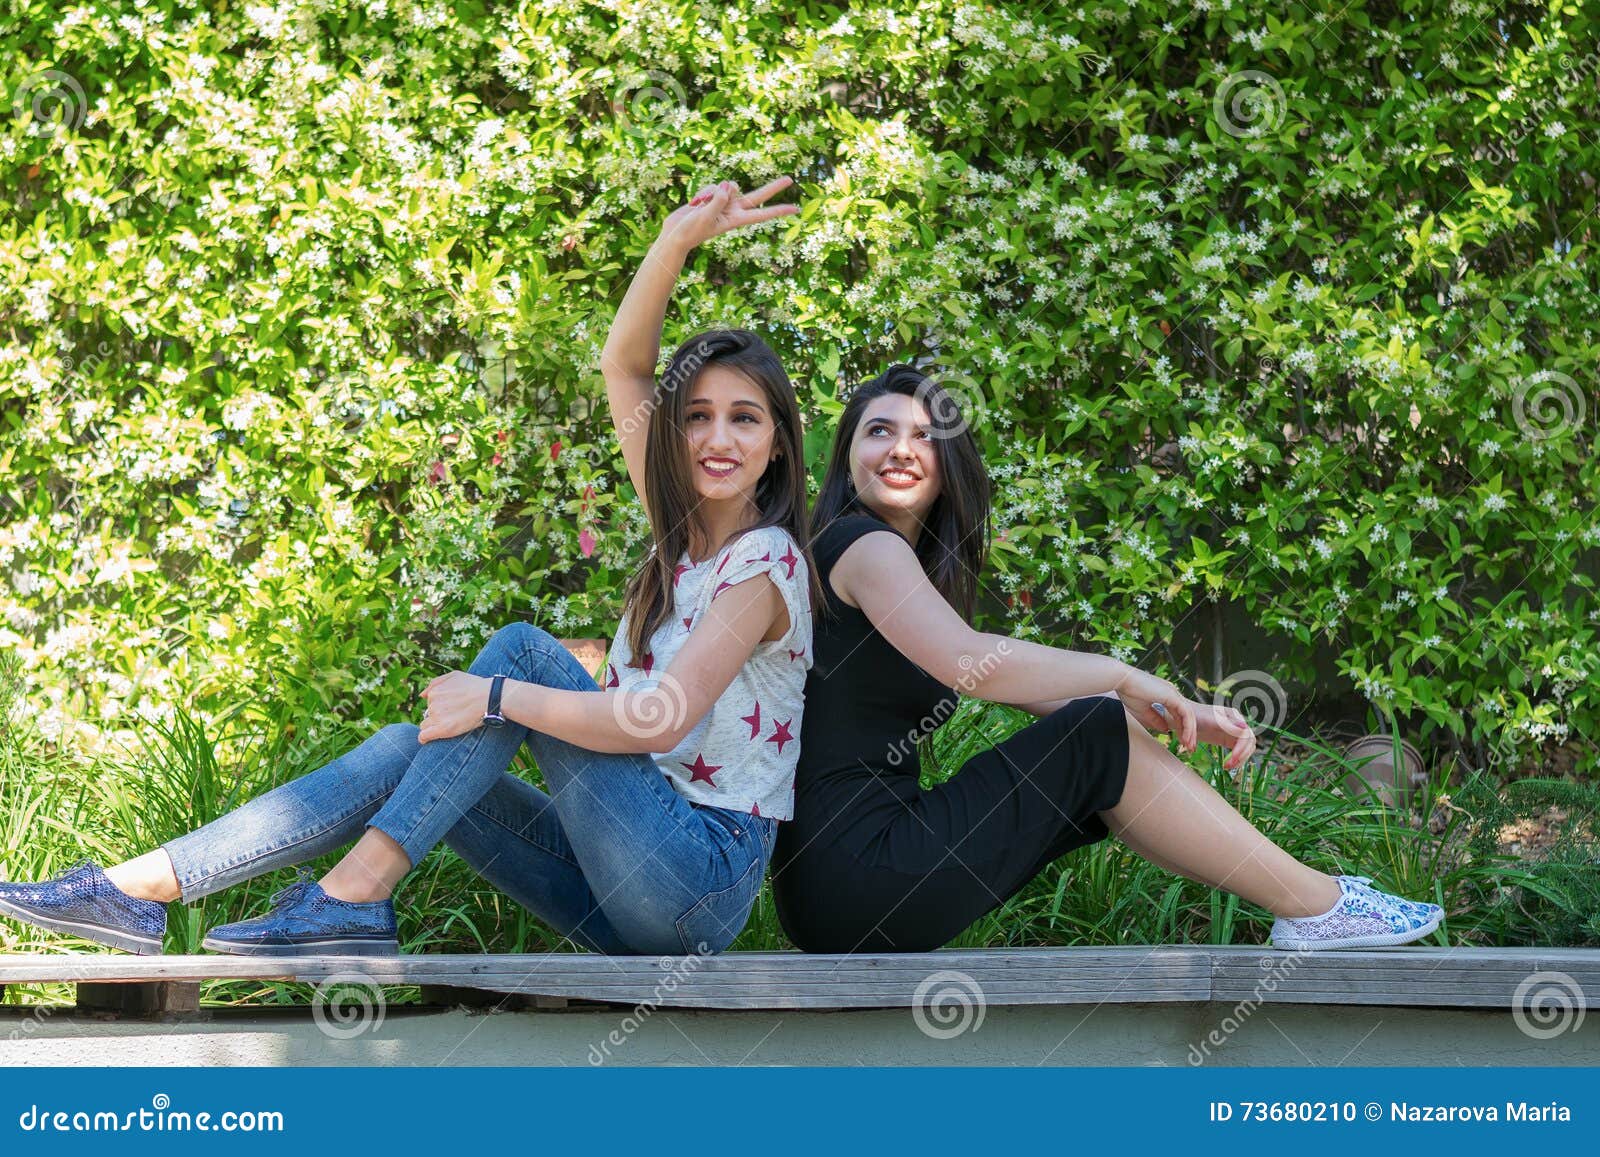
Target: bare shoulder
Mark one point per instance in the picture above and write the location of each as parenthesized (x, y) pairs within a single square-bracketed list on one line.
[(875, 559)]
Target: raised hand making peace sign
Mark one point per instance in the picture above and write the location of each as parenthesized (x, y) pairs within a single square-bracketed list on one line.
[(721, 208)]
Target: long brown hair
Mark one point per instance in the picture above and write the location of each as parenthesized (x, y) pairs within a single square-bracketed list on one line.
[(954, 543), (670, 495)]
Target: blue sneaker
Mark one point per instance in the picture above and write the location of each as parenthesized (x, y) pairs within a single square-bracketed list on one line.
[(1363, 918), (83, 902), (306, 921)]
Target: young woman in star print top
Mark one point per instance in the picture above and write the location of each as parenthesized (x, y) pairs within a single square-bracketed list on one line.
[(709, 662), (663, 788), (741, 754)]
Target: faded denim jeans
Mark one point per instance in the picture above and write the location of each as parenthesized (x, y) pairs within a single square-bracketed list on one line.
[(611, 856)]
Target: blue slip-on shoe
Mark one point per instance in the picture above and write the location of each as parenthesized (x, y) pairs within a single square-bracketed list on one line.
[(1363, 918), (306, 921), (82, 901)]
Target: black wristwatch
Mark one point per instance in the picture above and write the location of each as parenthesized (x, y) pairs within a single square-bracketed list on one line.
[(492, 717)]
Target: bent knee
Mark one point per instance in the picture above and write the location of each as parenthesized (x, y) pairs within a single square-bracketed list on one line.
[(402, 733), (520, 649), (1095, 717), (519, 635)]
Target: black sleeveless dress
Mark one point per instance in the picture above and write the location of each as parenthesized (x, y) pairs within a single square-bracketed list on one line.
[(873, 863)]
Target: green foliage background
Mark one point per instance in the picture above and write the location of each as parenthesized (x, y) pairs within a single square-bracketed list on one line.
[(1284, 308)]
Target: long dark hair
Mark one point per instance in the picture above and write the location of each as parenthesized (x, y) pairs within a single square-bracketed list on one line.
[(670, 496), (954, 542)]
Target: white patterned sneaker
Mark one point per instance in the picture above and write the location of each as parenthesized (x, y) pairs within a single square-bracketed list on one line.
[(1363, 918)]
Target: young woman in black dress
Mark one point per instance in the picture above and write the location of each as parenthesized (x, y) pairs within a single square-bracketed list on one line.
[(871, 862)]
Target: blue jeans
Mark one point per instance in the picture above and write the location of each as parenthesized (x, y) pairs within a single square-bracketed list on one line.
[(611, 857)]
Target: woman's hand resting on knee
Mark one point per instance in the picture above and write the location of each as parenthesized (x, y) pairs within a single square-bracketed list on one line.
[(1225, 727), (456, 703), (1161, 707)]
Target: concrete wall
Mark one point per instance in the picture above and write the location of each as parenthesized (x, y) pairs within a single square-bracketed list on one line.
[(1128, 1034)]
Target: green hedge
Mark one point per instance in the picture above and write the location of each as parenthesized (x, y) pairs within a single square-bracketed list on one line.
[(1288, 312)]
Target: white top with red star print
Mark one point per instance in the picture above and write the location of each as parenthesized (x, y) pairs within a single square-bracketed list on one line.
[(742, 754)]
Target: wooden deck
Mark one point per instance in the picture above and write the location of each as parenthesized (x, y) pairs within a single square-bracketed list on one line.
[(1459, 978)]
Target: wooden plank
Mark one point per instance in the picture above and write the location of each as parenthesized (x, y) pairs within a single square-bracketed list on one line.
[(1438, 977), (1020, 966), (999, 963), (1434, 977), (740, 980)]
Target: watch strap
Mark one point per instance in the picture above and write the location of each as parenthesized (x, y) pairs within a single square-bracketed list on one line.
[(496, 686)]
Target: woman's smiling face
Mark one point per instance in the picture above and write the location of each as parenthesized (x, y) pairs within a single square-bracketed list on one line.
[(730, 432), (893, 462)]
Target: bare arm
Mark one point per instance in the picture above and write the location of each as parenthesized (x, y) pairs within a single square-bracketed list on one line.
[(628, 361), (1051, 706), (880, 574), (657, 719), (633, 346)]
